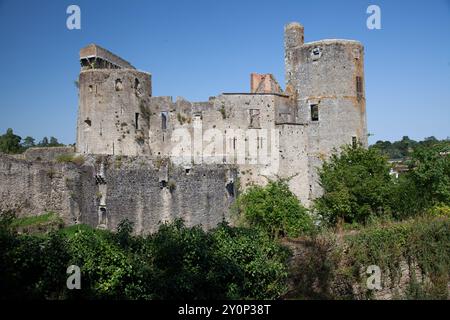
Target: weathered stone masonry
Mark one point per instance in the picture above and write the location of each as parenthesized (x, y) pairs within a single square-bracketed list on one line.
[(105, 190), (137, 168)]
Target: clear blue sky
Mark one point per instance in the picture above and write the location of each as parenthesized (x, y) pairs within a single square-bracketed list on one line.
[(198, 49)]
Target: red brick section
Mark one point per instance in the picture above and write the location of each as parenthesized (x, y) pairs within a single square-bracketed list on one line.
[(264, 83)]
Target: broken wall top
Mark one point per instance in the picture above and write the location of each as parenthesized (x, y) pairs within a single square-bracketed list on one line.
[(94, 51)]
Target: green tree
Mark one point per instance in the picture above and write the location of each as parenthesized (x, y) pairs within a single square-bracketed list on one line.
[(274, 209), (430, 172), (28, 142), (54, 142), (10, 143), (356, 184), (43, 142)]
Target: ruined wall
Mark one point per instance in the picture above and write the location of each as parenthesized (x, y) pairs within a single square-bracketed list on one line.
[(150, 192), (294, 160), (321, 109), (36, 187), (46, 154), (145, 191), (236, 128), (110, 119)]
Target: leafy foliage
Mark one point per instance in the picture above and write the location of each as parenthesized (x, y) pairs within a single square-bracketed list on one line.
[(258, 264), (331, 267), (13, 144), (274, 209), (356, 184), (9, 142), (426, 184), (430, 172), (423, 243), (175, 263), (403, 148)]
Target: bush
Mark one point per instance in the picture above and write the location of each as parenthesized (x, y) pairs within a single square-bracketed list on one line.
[(356, 184), (175, 263), (273, 209), (422, 243), (255, 264), (426, 185), (334, 268)]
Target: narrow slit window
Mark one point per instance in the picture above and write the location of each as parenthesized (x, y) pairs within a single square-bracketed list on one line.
[(354, 142), (314, 112), (359, 87), (137, 87), (103, 217), (164, 120), (254, 118), (136, 120)]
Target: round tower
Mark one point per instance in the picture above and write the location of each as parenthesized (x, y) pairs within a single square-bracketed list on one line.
[(111, 116), (331, 96), (326, 80)]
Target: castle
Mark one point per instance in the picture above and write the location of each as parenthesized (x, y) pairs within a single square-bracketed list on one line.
[(192, 154)]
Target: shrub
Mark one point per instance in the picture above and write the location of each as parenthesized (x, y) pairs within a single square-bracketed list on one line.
[(273, 209), (175, 263), (356, 184), (255, 263), (332, 267)]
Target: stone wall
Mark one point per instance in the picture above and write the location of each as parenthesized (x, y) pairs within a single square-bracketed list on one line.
[(150, 192), (327, 81), (105, 190), (46, 154), (119, 116), (36, 187), (110, 119)]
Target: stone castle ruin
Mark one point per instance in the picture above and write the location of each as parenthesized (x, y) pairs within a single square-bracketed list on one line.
[(152, 159)]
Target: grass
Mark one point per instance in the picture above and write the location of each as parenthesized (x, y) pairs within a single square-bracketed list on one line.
[(45, 218), (70, 231), (70, 157)]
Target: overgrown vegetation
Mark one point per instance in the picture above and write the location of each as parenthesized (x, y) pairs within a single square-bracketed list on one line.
[(174, 263), (364, 217), (182, 119), (70, 157), (223, 112), (358, 187), (35, 220), (273, 209), (334, 268)]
